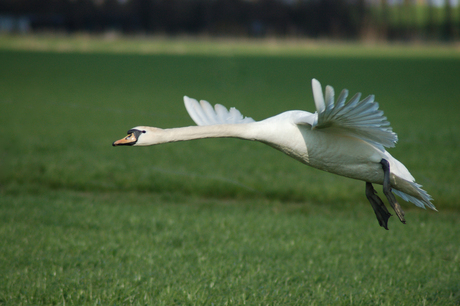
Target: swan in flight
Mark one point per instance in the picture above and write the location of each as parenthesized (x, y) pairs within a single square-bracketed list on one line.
[(347, 139)]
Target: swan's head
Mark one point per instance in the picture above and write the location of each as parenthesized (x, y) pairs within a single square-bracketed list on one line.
[(138, 136)]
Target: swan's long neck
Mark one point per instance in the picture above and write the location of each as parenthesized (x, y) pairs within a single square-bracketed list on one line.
[(158, 136)]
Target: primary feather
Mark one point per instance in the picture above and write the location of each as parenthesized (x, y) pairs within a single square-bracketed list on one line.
[(203, 113), (360, 118)]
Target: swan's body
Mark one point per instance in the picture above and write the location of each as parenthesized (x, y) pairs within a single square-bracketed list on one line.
[(345, 139)]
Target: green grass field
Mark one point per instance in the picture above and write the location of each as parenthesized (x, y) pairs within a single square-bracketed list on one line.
[(217, 221)]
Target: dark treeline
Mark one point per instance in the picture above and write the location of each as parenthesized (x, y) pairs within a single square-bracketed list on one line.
[(344, 19)]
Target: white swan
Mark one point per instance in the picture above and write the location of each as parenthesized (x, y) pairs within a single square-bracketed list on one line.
[(347, 139)]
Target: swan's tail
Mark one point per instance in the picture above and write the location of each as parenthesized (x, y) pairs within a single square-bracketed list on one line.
[(404, 185), (422, 200)]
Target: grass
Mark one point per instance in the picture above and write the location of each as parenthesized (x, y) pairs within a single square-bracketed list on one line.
[(74, 248), (215, 221)]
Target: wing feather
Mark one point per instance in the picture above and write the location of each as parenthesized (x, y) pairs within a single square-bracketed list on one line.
[(211, 117), (194, 110), (318, 95), (221, 112), (361, 118), (204, 114)]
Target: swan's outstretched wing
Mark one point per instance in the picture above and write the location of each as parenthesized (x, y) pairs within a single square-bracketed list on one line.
[(362, 119), (204, 114)]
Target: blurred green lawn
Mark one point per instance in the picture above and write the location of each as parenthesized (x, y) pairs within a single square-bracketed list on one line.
[(218, 221)]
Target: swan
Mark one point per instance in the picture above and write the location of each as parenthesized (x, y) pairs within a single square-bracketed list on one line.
[(345, 138)]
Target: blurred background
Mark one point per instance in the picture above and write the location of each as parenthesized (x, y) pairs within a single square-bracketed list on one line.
[(365, 20), (219, 221)]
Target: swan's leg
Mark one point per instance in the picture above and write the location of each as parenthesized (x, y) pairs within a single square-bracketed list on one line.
[(381, 212), (387, 190)]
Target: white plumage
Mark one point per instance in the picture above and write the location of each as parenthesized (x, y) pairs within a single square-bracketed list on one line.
[(203, 113), (347, 139)]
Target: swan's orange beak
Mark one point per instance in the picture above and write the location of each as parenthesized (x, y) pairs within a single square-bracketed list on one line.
[(126, 141)]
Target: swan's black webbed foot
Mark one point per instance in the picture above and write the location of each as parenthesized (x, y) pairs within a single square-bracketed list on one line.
[(381, 212), (387, 191)]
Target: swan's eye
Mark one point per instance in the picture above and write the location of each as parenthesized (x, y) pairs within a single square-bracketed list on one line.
[(144, 131)]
